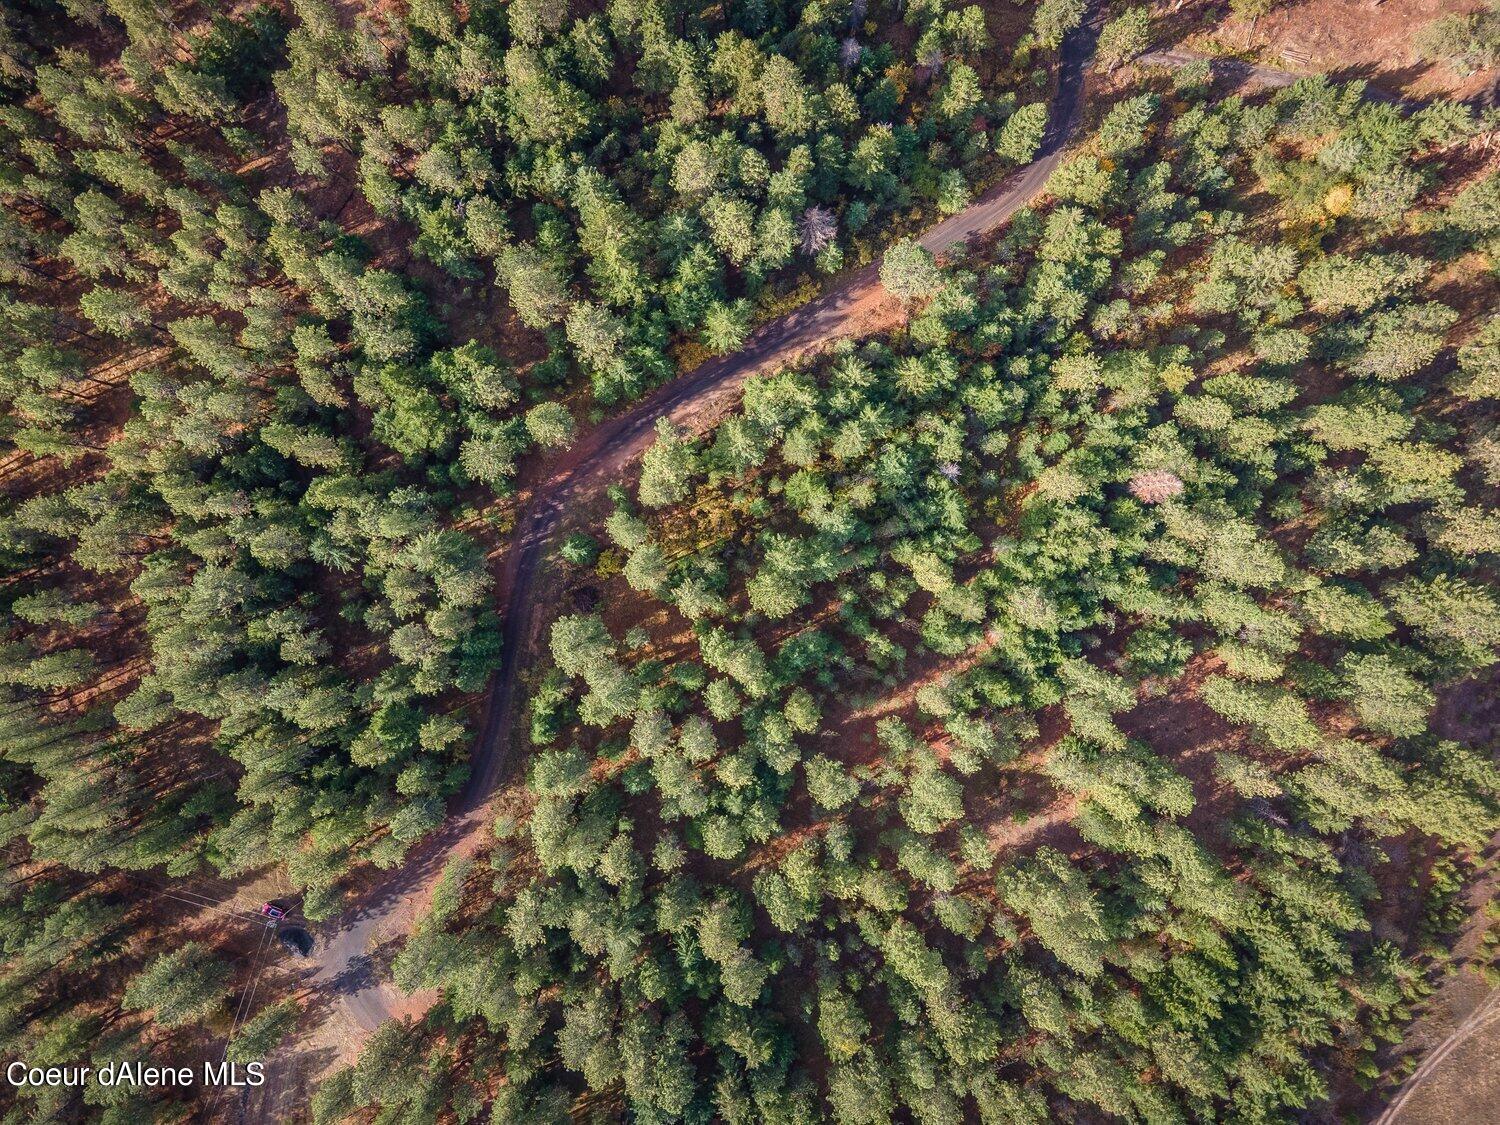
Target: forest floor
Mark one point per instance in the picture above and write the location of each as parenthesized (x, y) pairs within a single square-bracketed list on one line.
[(1346, 39), (1456, 1038)]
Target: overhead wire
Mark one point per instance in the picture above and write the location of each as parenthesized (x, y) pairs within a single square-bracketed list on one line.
[(247, 997)]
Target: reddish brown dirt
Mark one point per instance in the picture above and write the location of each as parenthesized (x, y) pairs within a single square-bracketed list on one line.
[(1347, 38), (1456, 1039)]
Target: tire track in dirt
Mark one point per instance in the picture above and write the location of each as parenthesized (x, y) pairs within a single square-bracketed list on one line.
[(1479, 1019)]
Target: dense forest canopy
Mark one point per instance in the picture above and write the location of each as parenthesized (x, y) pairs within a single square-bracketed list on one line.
[(1189, 433), (290, 290), (1006, 716), (305, 430)]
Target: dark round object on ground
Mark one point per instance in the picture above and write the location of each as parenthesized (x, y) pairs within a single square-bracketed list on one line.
[(295, 940)]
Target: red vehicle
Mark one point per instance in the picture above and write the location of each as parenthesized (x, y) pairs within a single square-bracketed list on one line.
[(272, 911)]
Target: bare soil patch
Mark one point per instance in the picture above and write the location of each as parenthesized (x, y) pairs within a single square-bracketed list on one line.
[(1346, 38)]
